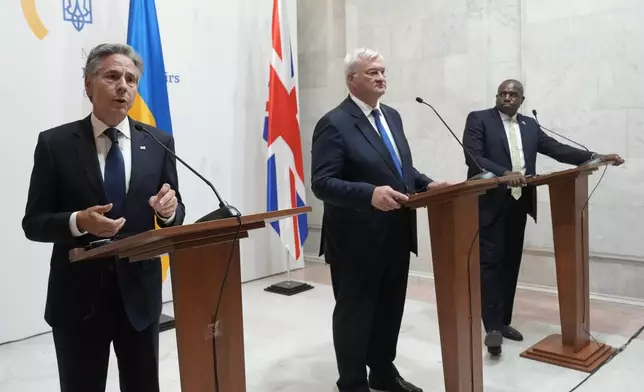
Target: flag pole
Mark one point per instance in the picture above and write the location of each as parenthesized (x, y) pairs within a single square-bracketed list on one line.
[(288, 265), (288, 287), (282, 83)]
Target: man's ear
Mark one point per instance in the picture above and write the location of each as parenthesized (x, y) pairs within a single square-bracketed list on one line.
[(87, 88)]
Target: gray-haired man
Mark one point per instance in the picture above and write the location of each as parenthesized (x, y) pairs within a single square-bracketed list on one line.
[(362, 170), (92, 179)]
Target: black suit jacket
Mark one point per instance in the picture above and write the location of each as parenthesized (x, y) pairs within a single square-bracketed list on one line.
[(486, 140), (349, 160), (66, 177)]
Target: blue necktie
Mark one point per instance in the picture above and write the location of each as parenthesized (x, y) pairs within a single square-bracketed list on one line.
[(387, 141), (114, 175)]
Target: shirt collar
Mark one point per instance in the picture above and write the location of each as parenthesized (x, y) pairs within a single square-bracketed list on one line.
[(99, 126), (505, 117), (366, 109)]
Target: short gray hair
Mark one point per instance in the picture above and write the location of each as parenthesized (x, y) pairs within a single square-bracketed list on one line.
[(97, 55), (359, 55)]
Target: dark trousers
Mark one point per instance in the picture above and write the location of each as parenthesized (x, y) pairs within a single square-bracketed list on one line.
[(83, 350), (370, 300), (501, 248)]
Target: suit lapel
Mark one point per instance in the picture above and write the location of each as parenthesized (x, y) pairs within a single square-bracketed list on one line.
[(365, 127), (523, 130), (137, 141), (397, 134), (501, 128), (85, 147)]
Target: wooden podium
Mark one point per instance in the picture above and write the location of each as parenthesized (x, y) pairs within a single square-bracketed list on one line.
[(573, 348), (453, 226), (200, 256)]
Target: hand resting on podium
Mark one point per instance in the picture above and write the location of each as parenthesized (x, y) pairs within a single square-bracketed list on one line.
[(385, 198)]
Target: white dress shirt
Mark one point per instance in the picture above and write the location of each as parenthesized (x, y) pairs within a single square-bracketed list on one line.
[(103, 145), (506, 124), (366, 109)]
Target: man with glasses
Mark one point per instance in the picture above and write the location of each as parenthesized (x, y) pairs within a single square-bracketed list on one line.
[(505, 142)]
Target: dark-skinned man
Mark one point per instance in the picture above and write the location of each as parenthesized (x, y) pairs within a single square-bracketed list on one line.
[(505, 142)]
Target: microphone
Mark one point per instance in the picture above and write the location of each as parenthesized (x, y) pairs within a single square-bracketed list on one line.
[(589, 162), (224, 211), (484, 174)]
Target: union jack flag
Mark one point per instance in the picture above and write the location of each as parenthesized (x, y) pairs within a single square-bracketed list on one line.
[(285, 168)]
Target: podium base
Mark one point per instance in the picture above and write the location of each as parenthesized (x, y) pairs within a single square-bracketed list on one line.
[(289, 287), (165, 322), (551, 350)]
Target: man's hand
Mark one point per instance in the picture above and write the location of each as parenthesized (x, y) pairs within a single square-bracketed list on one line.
[(94, 222), (616, 159), (386, 199), (518, 178), (437, 185), (165, 202)]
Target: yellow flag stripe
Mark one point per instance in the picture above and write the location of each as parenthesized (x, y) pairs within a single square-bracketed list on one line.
[(140, 112)]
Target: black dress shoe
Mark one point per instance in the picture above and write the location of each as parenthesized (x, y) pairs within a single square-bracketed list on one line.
[(396, 384), (359, 389), (511, 333), (493, 341)]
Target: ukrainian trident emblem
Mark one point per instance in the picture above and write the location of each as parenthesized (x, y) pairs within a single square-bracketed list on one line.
[(78, 12)]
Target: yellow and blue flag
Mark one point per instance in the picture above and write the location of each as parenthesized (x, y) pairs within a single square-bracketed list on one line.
[(151, 105)]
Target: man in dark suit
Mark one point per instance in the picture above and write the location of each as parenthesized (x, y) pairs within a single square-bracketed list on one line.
[(362, 170), (99, 178), (505, 142)]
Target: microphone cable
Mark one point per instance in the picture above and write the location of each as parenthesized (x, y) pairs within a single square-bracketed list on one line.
[(469, 276), (633, 337), (215, 320), (617, 351)]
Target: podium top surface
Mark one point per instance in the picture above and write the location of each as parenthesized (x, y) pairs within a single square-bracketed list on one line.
[(461, 189), (566, 174), (214, 231)]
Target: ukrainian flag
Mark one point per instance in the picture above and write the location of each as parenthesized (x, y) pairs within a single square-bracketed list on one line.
[(151, 104)]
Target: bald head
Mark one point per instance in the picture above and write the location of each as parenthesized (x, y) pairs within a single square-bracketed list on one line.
[(509, 97)]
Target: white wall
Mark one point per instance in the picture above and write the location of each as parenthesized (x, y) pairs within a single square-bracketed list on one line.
[(580, 62), (321, 36), (221, 52)]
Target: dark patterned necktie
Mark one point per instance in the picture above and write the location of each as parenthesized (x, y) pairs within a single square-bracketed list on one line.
[(114, 177)]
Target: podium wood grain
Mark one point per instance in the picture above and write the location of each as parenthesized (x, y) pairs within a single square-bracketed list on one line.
[(574, 347), (453, 225), (200, 255)]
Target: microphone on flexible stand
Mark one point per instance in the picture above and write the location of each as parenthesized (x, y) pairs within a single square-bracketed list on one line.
[(224, 211), (591, 161), (484, 174)]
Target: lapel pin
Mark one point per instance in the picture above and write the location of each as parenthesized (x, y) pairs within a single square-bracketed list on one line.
[(142, 147), (523, 122)]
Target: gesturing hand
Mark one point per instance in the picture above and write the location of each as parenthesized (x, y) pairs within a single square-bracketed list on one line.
[(385, 198), (93, 221), (165, 202)]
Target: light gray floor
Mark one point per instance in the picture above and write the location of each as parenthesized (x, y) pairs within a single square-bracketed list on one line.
[(289, 349)]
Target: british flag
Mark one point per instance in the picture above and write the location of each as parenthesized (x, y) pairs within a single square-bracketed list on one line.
[(285, 169)]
